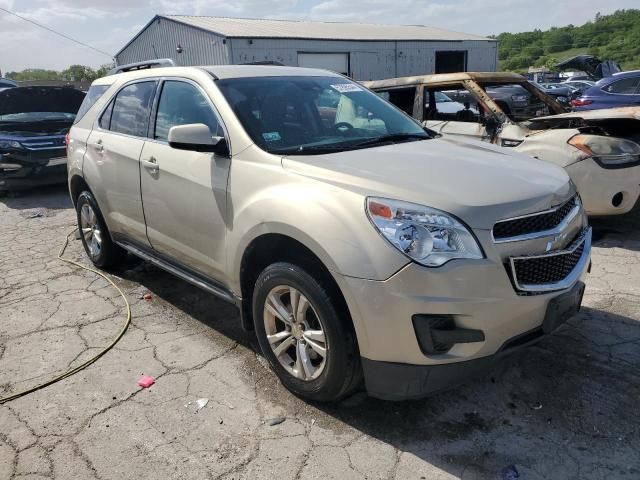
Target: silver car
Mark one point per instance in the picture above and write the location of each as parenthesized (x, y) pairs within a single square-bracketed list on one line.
[(360, 247)]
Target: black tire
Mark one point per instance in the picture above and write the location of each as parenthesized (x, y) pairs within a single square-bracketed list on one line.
[(341, 374), (110, 254)]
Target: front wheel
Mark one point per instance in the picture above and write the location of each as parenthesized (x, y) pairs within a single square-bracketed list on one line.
[(309, 345)]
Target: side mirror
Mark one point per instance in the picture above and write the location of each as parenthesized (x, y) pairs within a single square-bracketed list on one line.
[(197, 137)]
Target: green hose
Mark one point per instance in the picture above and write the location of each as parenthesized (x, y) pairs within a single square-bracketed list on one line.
[(84, 365)]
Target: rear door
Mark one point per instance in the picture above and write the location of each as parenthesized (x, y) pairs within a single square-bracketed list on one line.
[(623, 92), (184, 192), (112, 161)]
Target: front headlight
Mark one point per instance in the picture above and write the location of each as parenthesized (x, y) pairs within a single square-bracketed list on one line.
[(9, 144), (609, 152), (428, 236)]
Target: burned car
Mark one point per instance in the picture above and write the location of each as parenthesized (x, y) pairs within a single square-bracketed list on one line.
[(599, 149), (33, 125)]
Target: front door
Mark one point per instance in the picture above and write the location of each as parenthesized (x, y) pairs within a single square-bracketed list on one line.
[(184, 192), (454, 111)]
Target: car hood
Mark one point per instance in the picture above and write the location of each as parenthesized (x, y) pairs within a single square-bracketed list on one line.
[(585, 117), (478, 182), (40, 99), (592, 66)]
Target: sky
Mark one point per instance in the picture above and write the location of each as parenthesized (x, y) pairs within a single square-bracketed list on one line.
[(109, 24)]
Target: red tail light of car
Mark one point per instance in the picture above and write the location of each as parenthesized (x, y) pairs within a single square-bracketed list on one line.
[(578, 102)]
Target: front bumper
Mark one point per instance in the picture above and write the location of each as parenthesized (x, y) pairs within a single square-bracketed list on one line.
[(33, 173), (477, 294), (398, 381), (605, 191)]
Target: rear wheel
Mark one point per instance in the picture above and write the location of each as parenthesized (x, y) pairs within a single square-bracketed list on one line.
[(310, 346), (94, 233)]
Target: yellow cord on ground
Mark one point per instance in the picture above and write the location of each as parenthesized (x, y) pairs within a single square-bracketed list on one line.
[(84, 365)]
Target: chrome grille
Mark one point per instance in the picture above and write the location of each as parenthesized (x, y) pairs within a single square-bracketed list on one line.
[(551, 271), (510, 230)]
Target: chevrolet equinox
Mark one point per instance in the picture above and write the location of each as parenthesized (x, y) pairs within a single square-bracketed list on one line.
[(360, 247)]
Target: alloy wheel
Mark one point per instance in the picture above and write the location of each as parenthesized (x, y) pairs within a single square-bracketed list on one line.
[(295, 333), (90, 230)]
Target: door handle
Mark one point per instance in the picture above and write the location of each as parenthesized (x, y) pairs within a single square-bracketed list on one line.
[(151, 164), (98, 146)]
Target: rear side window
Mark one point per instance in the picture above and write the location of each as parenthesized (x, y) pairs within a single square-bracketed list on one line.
[(92, 96), (627, 86), (180, 104), (131, 109)]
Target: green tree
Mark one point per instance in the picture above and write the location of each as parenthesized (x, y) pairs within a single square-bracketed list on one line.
[(558, 40), (76, 73), (611, 37)]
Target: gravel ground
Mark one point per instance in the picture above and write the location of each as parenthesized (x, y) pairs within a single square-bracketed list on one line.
[(565, 408)]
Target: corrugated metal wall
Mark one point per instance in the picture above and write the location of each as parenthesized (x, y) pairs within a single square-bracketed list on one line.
[(160, 39), (368, 60)]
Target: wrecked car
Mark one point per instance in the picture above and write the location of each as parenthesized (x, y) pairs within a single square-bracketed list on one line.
[(599, 149), (33, 125), (592, 66)]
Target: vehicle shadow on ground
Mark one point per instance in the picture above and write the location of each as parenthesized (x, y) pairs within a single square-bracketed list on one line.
[(204, 307), (617, 231), (54, 197), (550, 409)]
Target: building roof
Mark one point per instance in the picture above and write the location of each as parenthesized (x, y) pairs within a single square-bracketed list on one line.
[(257, 28)]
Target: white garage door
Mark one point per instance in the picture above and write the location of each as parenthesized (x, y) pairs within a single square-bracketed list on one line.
[(336, 62)]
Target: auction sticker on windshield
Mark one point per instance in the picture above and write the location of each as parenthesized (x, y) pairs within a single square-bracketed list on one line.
[(346, 87), (271, 136)]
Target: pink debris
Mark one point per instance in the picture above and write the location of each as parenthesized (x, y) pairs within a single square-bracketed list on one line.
[(147, 296), (146, 381)]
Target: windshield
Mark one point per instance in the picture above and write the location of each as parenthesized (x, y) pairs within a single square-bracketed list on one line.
[(27, 117), (306, 115)]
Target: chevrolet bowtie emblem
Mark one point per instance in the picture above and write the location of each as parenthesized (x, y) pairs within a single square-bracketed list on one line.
[(558, 242)]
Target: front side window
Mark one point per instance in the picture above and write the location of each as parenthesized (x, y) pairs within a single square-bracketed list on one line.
[(181, 103), (452, 105), (626, 86), (131, 109), (307, 115)]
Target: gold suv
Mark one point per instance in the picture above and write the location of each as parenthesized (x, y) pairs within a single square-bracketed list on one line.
[(360, 247)]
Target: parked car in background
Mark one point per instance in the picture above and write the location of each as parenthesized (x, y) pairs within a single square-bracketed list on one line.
[(513, 98), (33, 125), (6, 83), (580, 85), (356, 244), (562, 93), (619, 90), (599, 150)]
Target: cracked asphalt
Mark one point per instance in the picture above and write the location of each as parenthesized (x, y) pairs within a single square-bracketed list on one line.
[(566, 408)]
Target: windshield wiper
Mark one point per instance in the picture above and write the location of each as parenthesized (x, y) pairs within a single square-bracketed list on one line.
[(392, 138), (311, 149)]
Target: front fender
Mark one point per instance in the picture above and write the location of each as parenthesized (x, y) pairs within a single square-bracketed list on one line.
[(329, 220)]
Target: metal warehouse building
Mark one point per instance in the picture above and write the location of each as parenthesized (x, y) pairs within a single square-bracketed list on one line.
[(362, 51)]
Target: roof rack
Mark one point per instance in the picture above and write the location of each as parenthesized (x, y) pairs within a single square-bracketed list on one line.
[(264, 62), (130, 67)]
